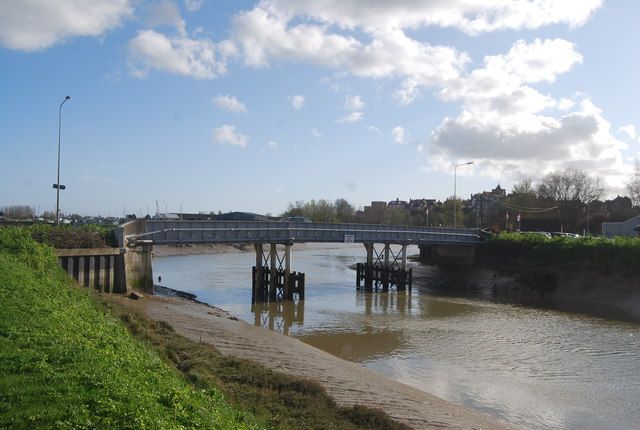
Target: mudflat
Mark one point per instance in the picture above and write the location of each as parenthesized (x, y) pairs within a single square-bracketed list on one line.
[(348, 383)]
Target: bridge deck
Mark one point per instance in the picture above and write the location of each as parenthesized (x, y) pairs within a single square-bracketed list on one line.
[(191, 232)]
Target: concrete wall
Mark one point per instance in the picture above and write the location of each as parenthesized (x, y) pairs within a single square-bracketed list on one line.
[(99, 268), (139, 269), (137, 259)]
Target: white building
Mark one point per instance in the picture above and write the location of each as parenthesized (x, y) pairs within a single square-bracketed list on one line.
[(624, 228)]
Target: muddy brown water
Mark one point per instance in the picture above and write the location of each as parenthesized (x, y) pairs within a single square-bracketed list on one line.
[(536, 368)]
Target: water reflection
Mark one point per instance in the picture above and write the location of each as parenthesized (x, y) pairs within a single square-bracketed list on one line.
[(536, 368), (377, 302), (278, 316)]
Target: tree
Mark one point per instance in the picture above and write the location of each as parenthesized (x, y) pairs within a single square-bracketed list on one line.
[(633, 186), (19, 212), (344, 211), (447, 213), (570, 188)]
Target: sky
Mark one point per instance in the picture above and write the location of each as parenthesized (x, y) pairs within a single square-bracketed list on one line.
[(212, 105)]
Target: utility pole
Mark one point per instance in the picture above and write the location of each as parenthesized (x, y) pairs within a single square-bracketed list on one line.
[(455, 198), (57, 185)]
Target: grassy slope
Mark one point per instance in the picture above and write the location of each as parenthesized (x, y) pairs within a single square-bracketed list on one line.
[(71, 360), (67, 363)]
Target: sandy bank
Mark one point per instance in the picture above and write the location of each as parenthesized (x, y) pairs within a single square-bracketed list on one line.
[(197, 249), (348, 383)]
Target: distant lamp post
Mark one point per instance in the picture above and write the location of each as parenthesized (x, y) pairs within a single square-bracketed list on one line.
[(455, 198), (57, 185)]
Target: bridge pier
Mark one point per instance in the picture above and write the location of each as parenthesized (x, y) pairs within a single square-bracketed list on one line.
[(384, 269), (272, 279)]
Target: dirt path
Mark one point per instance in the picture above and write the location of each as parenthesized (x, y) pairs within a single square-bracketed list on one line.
[(348, 383)]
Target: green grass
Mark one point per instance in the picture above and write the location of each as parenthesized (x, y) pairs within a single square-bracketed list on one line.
[(66, 363), (70, 359), (285, 401), (620, 254)]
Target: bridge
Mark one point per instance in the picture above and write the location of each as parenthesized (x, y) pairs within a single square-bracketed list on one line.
[(272, 278)]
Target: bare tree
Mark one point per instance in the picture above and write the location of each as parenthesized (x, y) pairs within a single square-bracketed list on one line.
[(570, 186), (19, 212), (524, 187), (633, 186)]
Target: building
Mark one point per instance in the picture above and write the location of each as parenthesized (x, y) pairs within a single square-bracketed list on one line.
[(486, 209), (629, 227), (241, 216)]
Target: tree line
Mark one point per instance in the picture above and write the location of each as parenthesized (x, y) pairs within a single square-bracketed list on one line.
[(570, 197)]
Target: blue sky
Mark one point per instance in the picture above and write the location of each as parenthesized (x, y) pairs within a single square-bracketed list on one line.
[(219, 105)]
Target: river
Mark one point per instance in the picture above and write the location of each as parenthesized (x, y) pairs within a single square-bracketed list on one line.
[(536, 368)]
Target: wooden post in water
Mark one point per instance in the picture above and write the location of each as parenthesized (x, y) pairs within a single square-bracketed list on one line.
[(258, 275), (368, 269), (385, 272), (273, 272), (287, 292)]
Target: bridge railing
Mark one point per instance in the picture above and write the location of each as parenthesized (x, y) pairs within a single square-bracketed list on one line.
[(175, 232)]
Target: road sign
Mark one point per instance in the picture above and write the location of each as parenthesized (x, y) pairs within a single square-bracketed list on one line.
[(62, 187)]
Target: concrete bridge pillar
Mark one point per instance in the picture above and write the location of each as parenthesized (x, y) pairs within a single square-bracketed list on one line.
[(138, 267)]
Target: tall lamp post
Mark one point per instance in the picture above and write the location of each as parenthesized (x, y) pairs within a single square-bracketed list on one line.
[(455, 199), (57, 184)]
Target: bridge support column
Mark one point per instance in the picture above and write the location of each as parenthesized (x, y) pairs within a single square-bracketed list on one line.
[(273, 280), (388, 269)]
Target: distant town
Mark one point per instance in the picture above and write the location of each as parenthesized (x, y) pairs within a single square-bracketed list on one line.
[(522, 209)]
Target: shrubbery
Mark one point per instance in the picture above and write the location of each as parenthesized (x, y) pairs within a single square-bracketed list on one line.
[(621, 254), (88, 236)]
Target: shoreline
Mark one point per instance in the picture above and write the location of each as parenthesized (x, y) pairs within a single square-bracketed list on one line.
[(346, 382), (614, 296)]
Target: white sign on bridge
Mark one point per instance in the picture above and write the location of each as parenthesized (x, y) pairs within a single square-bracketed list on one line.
[(349, 238)]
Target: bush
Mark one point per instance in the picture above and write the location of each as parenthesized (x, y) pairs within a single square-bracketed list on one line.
[(65, 237), (620, 254)]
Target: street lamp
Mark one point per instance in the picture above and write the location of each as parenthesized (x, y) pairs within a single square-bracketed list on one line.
[(455, 199), (57, 184)]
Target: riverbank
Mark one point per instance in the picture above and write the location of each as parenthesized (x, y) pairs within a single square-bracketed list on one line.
[(346, 382), (198, 249), (614, 296), (66, 362)]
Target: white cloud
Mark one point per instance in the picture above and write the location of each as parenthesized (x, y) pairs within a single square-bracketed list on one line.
[(33, 25), (352, 117), (272, 145), (505, 124), (165, 12), (471, 17), (398, 134), (263, 35), (373, 129), (227, 134), (230, 103), (316, 133), (324, 33), (179, 55), (193, 5), (354, 103), (629, 130), (297, 101)]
